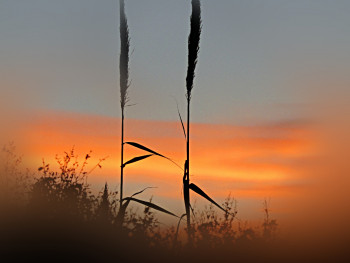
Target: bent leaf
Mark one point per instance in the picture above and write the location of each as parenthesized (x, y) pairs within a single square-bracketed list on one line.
[(140, 192), (137, 145), (121, 213), (151, 205), (199, 191), (178, 227), (178, 111), (186, 192), (136, 159), (183, 127)]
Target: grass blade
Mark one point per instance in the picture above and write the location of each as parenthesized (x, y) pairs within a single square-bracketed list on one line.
[(186, 193), (137, 145), (183, 127), (178, 227), (151, 205), (121, 213), (140, 192), (136, 159), (178, 111), (199, 191)]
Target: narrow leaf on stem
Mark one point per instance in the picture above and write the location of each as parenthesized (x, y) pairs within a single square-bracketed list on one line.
[(199, 191), (151, 205), (140, 192), (137, 145), (121, 213), (136, 159)]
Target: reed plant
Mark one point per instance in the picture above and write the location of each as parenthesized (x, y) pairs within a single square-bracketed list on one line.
[(124, 82), (124, 99), (193, 52)]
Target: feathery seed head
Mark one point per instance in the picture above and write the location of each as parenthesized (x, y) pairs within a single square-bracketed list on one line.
[(193, 45), (124, 56)]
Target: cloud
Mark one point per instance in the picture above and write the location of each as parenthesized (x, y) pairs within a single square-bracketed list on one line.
[(224, 155)]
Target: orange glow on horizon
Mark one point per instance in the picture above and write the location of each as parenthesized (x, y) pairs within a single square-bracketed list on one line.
[(255, 161)]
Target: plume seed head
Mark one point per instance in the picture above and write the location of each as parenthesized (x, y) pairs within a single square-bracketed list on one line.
[(124, 56), (193, 45)]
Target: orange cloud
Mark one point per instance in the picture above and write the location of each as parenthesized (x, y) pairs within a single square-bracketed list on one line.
[(248, 161)]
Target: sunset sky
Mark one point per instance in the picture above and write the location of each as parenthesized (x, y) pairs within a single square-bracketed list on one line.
[(264, 69), (249, 162)]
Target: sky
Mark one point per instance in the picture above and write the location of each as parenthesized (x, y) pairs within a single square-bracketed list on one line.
[(63, 55), (249, 162), (267, 72)]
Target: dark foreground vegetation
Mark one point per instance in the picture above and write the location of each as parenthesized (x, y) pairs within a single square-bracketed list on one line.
[(54, 215)]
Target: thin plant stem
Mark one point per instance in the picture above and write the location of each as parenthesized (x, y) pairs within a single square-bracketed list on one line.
[(187, 174), (124, 85), (122, 161), (193, 50)]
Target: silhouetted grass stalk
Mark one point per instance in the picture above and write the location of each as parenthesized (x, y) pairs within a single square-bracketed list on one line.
[(124, 82), (193, 50), (124, 85)]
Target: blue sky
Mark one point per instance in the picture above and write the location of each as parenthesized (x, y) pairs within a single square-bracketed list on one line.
[(63, 55)]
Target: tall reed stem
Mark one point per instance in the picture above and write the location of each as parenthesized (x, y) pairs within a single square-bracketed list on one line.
[(122, 161), (187, 174), (124, 83), (193, 50)]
